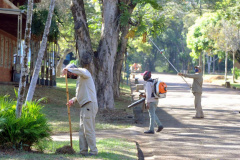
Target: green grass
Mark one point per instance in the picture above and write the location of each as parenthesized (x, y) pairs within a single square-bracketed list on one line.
[(108, 149), (125, 88), (56, 109), (237, 85), (56, 113)]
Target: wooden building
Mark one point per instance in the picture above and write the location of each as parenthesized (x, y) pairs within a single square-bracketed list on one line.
[(12, 28)]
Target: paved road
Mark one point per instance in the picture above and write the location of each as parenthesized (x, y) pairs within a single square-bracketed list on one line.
[(217, 136), (214, 137)]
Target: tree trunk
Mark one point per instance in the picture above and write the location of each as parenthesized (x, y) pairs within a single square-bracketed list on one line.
[(41, 53), (204, 62), (107, 51), (117, 69), (83, 40), (24, 67), (233, 70), (102, 65), (214, 59), (60, 62), (209, 63), (200, 59), (226, 66)]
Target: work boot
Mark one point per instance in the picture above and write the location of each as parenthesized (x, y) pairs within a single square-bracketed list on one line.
[(92, 154), (149, 132), (159, 128), (197, 117), (83, 154)]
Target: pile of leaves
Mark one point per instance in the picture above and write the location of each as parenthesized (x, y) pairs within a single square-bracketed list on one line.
[(212, 78)]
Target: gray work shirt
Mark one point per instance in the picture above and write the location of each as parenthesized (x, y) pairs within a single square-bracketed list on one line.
[(85, 88), (197, 81)]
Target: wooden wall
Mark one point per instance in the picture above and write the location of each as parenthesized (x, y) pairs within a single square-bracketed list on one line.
[(8, 47)]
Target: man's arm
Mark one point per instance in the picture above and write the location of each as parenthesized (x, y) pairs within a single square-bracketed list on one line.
[(80, 72), (190, 75), (148, 94)]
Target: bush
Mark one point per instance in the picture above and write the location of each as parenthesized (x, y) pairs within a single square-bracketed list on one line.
[(237, 72), (23, 132), (76, 62)]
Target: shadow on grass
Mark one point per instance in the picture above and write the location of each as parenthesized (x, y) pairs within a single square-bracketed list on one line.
[(108, 148)]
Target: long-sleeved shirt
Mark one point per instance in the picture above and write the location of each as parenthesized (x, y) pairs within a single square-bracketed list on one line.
[(85, 87), (149, 91), (197, 81)]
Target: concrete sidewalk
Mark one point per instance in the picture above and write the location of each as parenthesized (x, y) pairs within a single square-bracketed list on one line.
[(214, 137)]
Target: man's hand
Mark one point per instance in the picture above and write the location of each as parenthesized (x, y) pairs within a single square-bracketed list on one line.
[(142, 95), (64, 71), (180, 74), (147, 106), (70, 103)]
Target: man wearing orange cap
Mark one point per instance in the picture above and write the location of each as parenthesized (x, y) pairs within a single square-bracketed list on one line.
[(151, 103)]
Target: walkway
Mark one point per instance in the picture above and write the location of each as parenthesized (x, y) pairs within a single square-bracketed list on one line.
[(214, 137)]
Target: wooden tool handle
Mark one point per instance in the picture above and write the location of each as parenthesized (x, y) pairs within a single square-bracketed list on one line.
[(68, 107)]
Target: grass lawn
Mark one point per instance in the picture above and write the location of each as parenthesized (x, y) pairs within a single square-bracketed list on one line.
[(56, 113), (56, 109), (109, 149)]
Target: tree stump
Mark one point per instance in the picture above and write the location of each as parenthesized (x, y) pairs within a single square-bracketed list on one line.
[(227, 84), (136, 81), (138, 113), (133, 75), (139, 87)]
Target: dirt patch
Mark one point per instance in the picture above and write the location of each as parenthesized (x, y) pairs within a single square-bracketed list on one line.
[(119, 116), (8, 151), (212, 78)]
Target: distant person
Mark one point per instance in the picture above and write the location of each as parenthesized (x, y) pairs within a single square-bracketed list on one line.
[(151, 103), (196, 90), (87, 100)]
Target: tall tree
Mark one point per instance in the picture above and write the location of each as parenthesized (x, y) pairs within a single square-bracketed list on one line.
[(62, 57), (41, 53), (24, 67), (101, 62), (120, 56)]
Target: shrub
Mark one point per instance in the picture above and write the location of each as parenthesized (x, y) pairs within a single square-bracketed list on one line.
[(236, 72), (23, 132), (76, 62)]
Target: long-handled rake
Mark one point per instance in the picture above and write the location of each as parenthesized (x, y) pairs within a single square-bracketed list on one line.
[(67, 149), (68, 107)]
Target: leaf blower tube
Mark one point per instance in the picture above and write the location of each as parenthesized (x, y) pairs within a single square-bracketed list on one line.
[(136, 103), (161, 51)]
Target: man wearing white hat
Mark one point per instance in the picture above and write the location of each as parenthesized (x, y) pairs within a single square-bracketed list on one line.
[(87, 100), (196, 90)]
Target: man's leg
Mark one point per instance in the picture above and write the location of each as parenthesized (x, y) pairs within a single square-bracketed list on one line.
[(198, 106), (157, 121), (151, 116), (82, 139), (90, 111)]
